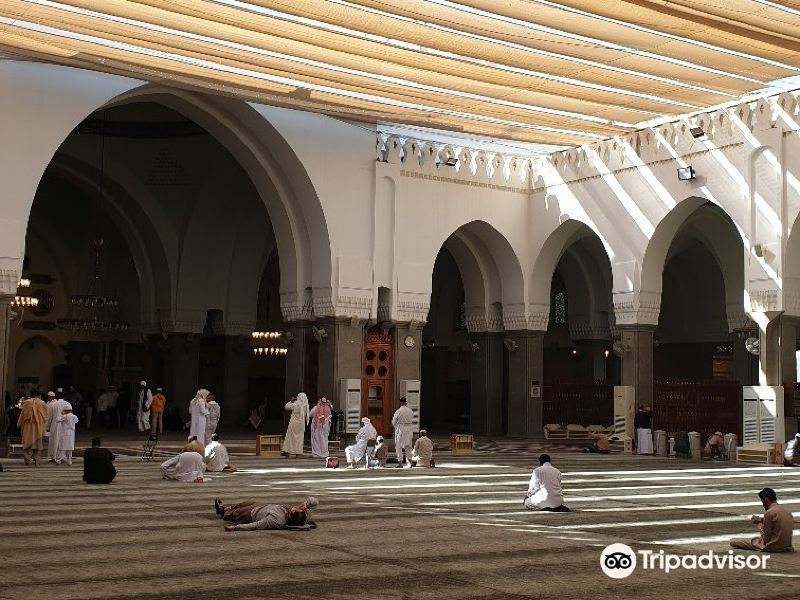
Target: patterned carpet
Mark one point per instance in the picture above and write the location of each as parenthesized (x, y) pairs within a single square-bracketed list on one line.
[(457, 531)]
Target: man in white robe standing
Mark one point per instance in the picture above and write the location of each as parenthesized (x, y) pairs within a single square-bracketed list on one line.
[(145, 400), (356, 452), (320, 428), (212, 420), (402, 421), (198, 410), (54, 409), (544, 489), (296, 431)]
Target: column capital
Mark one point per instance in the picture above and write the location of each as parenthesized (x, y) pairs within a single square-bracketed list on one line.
[(9, 281)]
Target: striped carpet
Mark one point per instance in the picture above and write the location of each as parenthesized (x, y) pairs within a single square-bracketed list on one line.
[(457, 531)]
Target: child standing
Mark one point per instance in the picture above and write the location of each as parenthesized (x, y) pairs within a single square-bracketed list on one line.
[(66, 442)]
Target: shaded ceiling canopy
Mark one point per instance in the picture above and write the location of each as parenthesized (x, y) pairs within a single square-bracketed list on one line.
[(562, 72)]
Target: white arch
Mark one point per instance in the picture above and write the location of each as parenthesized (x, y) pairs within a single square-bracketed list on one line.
[(719, 239), (292, 203), (144, 239), (553, 248), (490, 270)]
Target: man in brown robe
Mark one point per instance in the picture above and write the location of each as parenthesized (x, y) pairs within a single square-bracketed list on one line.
[(776, 526), (31, 423)]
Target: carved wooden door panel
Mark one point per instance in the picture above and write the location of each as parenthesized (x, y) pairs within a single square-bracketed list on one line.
[(376, 381)]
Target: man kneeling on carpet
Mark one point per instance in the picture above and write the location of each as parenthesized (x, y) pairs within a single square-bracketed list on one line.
[(250, 515), (544, 490)]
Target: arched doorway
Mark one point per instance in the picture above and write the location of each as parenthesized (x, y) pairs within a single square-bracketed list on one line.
[(699, 359), (186, 237), (446, 351), (579, 368)]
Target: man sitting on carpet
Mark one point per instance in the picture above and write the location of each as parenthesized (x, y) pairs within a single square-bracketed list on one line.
[(544, 490)]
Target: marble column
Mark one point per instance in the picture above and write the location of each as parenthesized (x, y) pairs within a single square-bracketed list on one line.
[(296, 359), (778, 363), (742, 361), (339, 356), (181, 369), (486, 383), (407, 359), (637, 362), (525, 371), (5, 333), (236, 379)]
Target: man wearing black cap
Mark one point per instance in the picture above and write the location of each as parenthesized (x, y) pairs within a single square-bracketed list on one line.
[(98, 464)]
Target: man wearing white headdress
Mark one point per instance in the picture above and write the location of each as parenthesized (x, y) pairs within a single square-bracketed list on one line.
[(295, 433), (55, 408), (320, 427), (356, 452), (143, 407), (199, 411)]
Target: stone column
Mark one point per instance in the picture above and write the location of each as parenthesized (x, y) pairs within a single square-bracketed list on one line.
[(407, 359), (296, 359), (339, 355), (637, 362), (5, 334), (236, 377), (778, 364), (742, 360), (777, 357), (525, 369), (486, 383), (181, 369)]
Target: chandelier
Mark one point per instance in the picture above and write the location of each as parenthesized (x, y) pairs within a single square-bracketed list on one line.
[(92, 311), (262, 337), (24, 300)]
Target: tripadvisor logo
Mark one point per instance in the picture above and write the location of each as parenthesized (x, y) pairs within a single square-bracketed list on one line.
[(619, 561)]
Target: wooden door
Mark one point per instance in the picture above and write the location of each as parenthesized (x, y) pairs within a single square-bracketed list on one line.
[(376, 381)]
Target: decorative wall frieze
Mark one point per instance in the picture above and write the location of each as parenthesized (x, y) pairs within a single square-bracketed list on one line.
[(476, 323), (536, 320), (428, 159), (343, 306), (637, 309), (292, 311), (766, 300), (413, 310), (297, 306), (9, 280), (721, 127), (791, 295), (586, 330)]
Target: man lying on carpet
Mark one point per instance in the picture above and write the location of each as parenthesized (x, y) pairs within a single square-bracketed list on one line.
[(250, 515)]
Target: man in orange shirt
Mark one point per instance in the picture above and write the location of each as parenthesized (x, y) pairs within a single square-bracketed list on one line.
[(157, 410)]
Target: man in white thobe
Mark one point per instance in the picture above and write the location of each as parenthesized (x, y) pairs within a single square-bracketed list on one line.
[(187, 466), (544, 490), (356, 452), (198, 410), (402, 421), (212, 420), (217, 456), (54, 409), (143, 407)]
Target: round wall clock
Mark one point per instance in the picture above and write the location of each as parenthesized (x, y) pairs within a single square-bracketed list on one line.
[(409, 341)]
